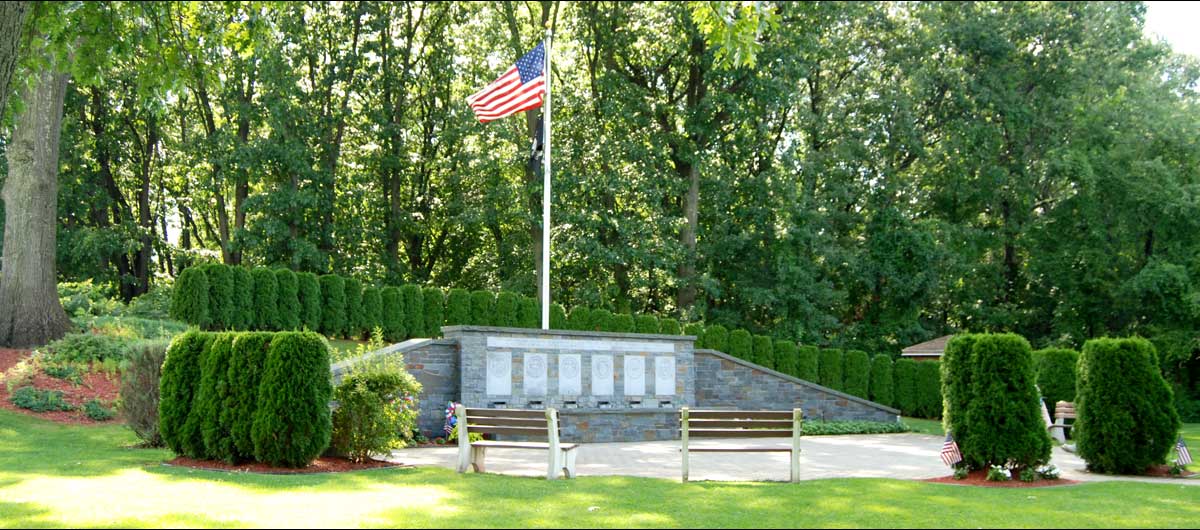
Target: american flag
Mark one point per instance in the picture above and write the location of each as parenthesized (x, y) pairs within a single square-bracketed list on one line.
[(1184, 456), (950, 452), (450, 419), (521, 88)]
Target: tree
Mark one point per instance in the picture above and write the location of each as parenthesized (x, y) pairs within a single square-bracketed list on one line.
[(12, 25)]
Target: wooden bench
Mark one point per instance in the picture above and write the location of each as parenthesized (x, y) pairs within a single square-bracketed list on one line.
[(1063, 410), (540, 424), (741, 424)]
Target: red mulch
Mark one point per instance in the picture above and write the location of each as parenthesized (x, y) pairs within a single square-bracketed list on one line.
[(1164, 471), (324, 464), (101, 386), (979, 478)]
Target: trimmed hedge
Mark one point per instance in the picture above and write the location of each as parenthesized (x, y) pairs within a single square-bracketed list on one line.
[(904, 372), (508, 306), (558, 316), (830, 369), (221, 304), (333, 310), (266, 299), (458, 307), (622, 323), (354, 308), (764, 351), (372, 301), (241, 401), (857, 373), (957, 362), (393, 314), (808, 363), (646, 324), (483, 307), (210, 399), (243, 298), (786, 357), (433, 302), (140, 379), (741, 345), (189, 300), (668, 326), (177, 391), (414, 310), (881, 384), (601, 320), (1005, 426), (717, 338), (1127, 420), (289, 299), (579, 318), (929, 389), (308, 293), (529, 313), (1056, 374), (292, 422)]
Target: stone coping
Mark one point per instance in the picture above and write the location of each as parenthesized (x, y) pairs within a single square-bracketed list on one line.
[(400, 347), (799, 381), (567, 333)]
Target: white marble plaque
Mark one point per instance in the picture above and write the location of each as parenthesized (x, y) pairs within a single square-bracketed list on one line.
[(570, 381), (535, 374), (635, 375), (664, 376), (527, 343), (602, 375), (499, 373)]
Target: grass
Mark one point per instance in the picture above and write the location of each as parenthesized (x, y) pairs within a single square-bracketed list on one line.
[(59, 476), (923, 426)]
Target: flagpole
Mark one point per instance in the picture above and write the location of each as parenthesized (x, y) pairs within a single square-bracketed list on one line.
[(546, 193)]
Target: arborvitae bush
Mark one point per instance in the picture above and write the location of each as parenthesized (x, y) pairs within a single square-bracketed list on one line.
[(856, 373), (1127, 420), (333, 310), (741, 345), (354, 308), (668, 326), (696, 329), (602, 320), (433, 302), (289, 299), (508, 304), (177, 391), (580, 318), (786, 357), (140, 380), (241, 400), (621, 323), (189, 300), (808, 364), (717, 338), (483, 308), (529, 313), (292, 423), (210, 400), (308, 292), (958, 362), (905, 387), (830, 368), (764, 351), (929, 389), (372, 302), (266, 299), (645, 324), (414, 310), (458, 307), (221, 304), (1005, 426), (393, 314), (558, 317), (243, 298), (1056, 374), (881, 383)]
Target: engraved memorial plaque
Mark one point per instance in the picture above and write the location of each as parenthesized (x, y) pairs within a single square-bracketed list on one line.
[(570, 381), (602, 375), (499, 374), (635, 375), (664, 376), (535, 374)]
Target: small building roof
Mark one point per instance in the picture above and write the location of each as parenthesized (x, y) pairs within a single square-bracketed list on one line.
[(932, 348)]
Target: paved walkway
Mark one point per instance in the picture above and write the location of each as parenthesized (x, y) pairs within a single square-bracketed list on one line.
[(899, 456)]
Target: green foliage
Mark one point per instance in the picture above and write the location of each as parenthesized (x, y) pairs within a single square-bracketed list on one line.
[(292, 423), (695, 329), (86, 348), (507, 306), (958, 363), (376, 410), (37, 400), (140, 377), (132, 327), (558, 317), (882, 384), (668, 326), (266, 299), (764, 351), (221, 302), (716, 338), (458, 307), (414, 310), (189, 301), (86, 298), (177, 390), (434, 305), (288, 299), (243, 299), (97, 411), (529, 313), (241, 399), (211, 396), (1126, 419), (929, 389), (483, 308), (373, 308), (354, 309), (1005, 426), (808, 361), (579, 319), (601, 320), (786, 357), (857, 373), (741, 345), (621, 323), (308, 294), (393, 313), (333, 306), (905, 387), (831, 369), (1056, 374), (826, 428), (646, 324), (155, 304)]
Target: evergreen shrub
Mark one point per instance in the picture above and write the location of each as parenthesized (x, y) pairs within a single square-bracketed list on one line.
[(393, 313), (483, 308), (929, 389), (333, 308), (1056, 374), (189, 300), (856, 373), (508, 305), (580, 318), (292, 422), (372, 302), (266, 299), (177, 390), (621, 323), (221, 303), (210, 399), (717, 338), (433, 302), (308, 294), (354, 308), (696, 329), (1005, 427), (558, 317), (881, 383), (243, 299), (957, 365), (808, 363), (831, 369), (668, 326), (241, 400), (646, 324), (764, 351), (905, 387), (786, 357), (741, 345), (602, 320), (288, 299)]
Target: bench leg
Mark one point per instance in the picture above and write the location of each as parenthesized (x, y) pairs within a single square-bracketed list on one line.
[(1058, 433), (569, 464), (685, 463), (477, 458), (795, 466), (464, 458), (555, 463)]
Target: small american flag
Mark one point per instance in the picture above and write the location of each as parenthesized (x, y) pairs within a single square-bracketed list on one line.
[(450, 419), (521, 88), (950, 452), (1184, 456)]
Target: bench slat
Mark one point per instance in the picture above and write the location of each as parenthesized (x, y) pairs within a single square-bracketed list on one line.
[(522, 445), (739, 433), (694, 424), (740, 414), (739, 449), (505, 422), (520, 431), (507, 413)]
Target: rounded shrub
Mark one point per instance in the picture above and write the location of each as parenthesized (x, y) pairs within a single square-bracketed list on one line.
[(786, 357), (210, 399), (266, 299), (905, 387), (393, 314), (243, 299), (856, 373), (580, 318), (1005, 426), (433, 302), (508, 305), (292, 423), (929, 389), (717, 338), (645, 324), (830, 368), (529, 313), (602, 320), (668, 326), (372, 302), (140, 378), (764, 351), (880, 387), (221, 303), (333, 308), (177, 391), (808, 360), (289, 299), (241, 399), (696, 329), (458, 307), (1127, 420), (957, 364), (483, 308), (308, 294), (558, 316), (621, 323), (1056, 374), (377, 411), (189, 300), (741, 345)]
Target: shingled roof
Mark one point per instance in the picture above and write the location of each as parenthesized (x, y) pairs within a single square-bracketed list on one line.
[(932, 348)]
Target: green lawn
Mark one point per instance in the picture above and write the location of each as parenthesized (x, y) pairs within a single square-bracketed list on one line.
[(55, 476), (919, 425)]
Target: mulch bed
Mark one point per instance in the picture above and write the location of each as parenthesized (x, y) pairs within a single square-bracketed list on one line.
[(324, 464), (100, 386), (1164, 471), (979, 478)]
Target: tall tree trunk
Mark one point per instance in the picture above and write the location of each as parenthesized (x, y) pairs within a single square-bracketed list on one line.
[(145, 219), (32, 314), (686, 296), (12, 21)]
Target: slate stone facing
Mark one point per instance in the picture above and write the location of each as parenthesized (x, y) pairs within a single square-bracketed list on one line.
[(434, 363)]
